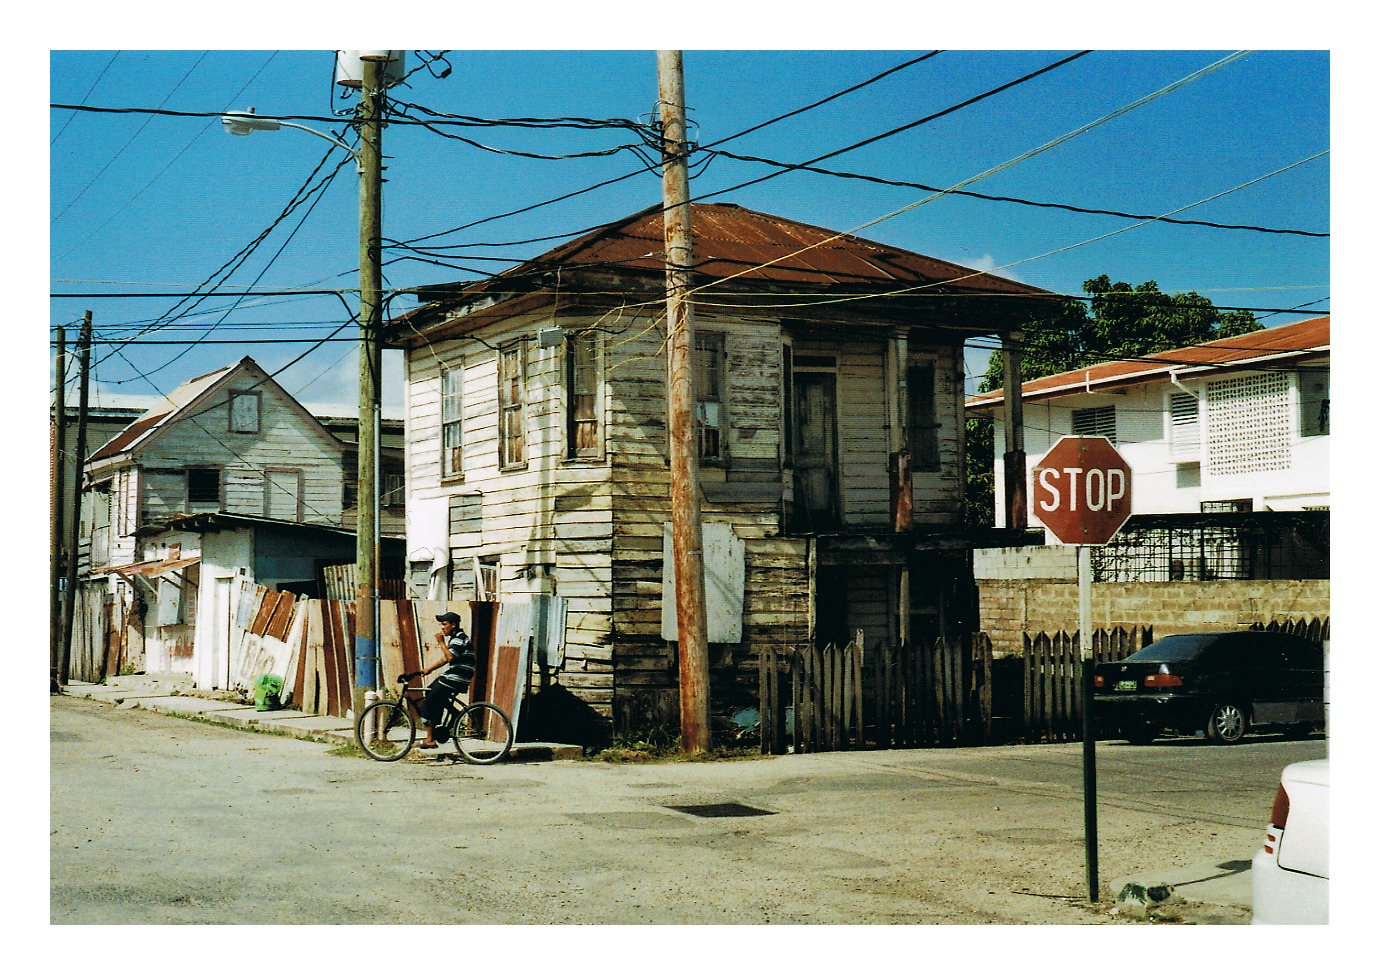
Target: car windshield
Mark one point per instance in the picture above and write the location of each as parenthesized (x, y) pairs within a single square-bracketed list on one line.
[(1187, 646)]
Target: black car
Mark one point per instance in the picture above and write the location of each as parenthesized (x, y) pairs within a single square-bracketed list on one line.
[(1221, 684)]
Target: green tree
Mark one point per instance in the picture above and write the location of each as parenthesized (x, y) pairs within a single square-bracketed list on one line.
[(1118, 321)]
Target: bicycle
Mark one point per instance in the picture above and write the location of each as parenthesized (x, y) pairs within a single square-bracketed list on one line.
[(386, 730)]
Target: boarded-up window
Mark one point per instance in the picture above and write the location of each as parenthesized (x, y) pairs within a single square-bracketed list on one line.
[(466, 513), (512, 414), (283, 494), (582, 395), (709, 395), (244, 412), (452, 420), (924, 419)]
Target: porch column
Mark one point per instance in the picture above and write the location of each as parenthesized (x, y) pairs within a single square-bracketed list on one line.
[(1014, 458)]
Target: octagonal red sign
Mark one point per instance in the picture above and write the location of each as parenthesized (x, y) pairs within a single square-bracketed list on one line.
[(1081, 490)]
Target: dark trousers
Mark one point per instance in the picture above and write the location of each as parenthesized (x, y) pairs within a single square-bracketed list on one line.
[(441, 692)]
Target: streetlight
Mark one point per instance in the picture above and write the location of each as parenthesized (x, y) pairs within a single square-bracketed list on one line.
[(371, 72), (247, 123)]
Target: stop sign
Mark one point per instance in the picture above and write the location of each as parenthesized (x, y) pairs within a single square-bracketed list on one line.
[(1081, 490)]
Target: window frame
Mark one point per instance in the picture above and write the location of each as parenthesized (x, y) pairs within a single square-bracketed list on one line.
[(512, 406), (584, 438), (244, 395), (715, 344), (205, 469), (455, 469), (923, 437), (1323, 404)]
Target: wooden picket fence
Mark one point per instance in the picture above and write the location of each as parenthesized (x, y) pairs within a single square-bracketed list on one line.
[(1316, 630), (1053, 686), (840, 698)]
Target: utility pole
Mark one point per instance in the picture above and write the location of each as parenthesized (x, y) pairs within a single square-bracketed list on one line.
[(370, 119), (686, 531), (59, 467), (1017, 509), (74, 530)]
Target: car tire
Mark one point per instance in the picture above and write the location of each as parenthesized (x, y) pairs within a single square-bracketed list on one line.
[(1227, 724), (1142, 735)]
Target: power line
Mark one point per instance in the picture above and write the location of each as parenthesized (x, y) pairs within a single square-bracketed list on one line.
[(1069, 207)]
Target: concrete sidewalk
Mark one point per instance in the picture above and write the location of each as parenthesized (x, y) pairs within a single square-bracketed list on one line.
[(165, 694)]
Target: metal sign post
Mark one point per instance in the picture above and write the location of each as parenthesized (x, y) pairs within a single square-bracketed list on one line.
[(1081, 491), (1085, 645)]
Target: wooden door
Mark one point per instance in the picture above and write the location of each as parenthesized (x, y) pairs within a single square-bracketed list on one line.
[(816, 450)]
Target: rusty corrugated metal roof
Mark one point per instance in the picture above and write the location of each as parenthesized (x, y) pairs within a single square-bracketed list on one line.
[(1313, 334), (732, 241)]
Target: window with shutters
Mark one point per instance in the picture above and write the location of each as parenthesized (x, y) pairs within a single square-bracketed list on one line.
[(512, 410), (582, 396), (709, 396), (452, 421), (1095, 421), (1185, 438)]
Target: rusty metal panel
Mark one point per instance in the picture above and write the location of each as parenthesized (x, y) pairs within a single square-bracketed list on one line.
[(508, 671)]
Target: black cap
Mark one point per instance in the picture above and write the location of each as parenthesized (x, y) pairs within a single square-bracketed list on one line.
[(449, 618)]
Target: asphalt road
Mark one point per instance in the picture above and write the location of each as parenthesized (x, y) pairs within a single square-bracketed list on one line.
[(160, 820)]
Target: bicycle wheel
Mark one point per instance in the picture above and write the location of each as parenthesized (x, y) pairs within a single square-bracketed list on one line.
[(385, 731), (483, 734)]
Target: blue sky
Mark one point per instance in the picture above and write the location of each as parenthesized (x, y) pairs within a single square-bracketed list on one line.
[(149, 203)]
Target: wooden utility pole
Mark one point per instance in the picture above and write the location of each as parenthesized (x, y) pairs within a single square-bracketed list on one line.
[(59, 468), (686, 531), (69, 605), (371, 103)]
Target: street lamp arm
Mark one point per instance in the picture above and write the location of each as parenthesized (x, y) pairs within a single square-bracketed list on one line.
[(246, 123)]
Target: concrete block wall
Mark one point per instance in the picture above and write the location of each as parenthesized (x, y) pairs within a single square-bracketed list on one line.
[(1033, 596)]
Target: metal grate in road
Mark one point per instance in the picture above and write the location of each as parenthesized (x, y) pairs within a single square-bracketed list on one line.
[(721, 810)]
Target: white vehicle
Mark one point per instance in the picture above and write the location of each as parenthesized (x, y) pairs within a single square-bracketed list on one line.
[(1289, 873)]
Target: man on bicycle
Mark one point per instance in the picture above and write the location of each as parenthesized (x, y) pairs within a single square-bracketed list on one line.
[(457, 656)]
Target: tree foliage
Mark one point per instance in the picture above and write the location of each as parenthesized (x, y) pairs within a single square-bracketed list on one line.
[(1118, 321)]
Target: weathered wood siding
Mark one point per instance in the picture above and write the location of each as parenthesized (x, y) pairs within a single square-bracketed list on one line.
[(285, 442), (548, 522), (590, 530)]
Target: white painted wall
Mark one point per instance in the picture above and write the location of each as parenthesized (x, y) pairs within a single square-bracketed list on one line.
[(1161, 486)]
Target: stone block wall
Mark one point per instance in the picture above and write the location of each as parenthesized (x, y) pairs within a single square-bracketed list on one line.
[(1036, 589)]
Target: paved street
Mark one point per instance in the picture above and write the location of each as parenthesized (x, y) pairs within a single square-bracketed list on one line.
[(160, 820)]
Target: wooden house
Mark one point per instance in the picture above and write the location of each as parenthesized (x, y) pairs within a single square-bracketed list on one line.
[(231, 442), (829, 420)]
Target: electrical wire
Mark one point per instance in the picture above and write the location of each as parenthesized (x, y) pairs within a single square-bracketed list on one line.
[(120, 152), (52, 142)]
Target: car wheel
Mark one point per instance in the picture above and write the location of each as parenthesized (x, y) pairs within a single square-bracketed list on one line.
[(1226, 724), (1142, 735)]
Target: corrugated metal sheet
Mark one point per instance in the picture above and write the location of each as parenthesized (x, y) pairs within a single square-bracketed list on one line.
[(731, 241)]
